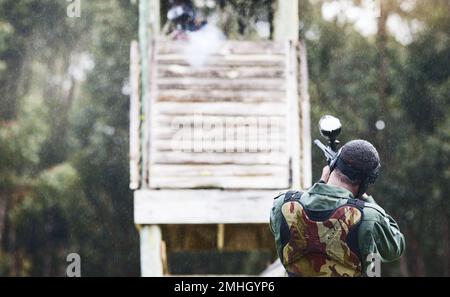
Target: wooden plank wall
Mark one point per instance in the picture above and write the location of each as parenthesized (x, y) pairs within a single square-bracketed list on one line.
[(222, 124)]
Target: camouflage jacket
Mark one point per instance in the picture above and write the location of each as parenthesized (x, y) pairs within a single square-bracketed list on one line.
[(377, 232)]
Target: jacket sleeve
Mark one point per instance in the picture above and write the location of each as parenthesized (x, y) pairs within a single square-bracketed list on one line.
[(388, 238), (380, 234)]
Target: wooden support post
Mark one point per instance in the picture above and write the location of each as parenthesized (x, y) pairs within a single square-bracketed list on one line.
[(286, 29), (143, 44), (165, 263), (151, 251), (286, 24), (149, 28), (294, 121), (220, 236), (305, 123), (135, 107)]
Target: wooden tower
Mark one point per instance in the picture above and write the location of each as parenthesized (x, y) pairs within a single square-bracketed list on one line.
[(243, 85)]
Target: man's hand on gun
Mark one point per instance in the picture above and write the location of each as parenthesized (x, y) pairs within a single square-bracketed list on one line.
[(325, 174)]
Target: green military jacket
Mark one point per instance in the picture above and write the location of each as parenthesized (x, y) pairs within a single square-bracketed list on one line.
[(378, 233)]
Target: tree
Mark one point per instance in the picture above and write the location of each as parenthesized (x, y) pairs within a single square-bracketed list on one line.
[(55, 200)]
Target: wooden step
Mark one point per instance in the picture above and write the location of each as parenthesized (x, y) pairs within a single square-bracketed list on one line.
[(173, 71), (221, 61), (178, 170), (219, 158), (263, 145), (221, 108), (272, 137), (221, 182), (206, 122), (190, 83), (219, 176), (227, 47), (254, 58), (212, 206), (245, 96)]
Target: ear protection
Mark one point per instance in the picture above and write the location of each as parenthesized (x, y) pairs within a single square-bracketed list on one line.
[(354, 174)]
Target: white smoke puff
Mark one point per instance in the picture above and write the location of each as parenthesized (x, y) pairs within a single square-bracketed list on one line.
[(263, 29), (202, 44), (80, 65)]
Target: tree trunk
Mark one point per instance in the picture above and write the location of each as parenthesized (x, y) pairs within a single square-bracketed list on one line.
[(3, 206), (445, 246), (383, 76), (416, 256)]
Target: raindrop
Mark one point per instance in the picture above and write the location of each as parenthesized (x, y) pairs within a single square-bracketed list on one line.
[(380, 125)]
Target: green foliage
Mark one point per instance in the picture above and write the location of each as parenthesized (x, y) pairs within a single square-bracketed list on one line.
[(5, 32), (427, 86), (64, 165), (52, 221), (100, 140), (33, 28)]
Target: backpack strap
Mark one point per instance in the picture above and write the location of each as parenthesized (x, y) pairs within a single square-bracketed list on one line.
[(292, 196), (376, 207), (356, 202), (361, 204)]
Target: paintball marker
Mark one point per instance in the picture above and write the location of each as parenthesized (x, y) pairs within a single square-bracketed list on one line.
[(330, 128)]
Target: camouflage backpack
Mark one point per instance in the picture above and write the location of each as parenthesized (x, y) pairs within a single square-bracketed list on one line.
[(320, 243)]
